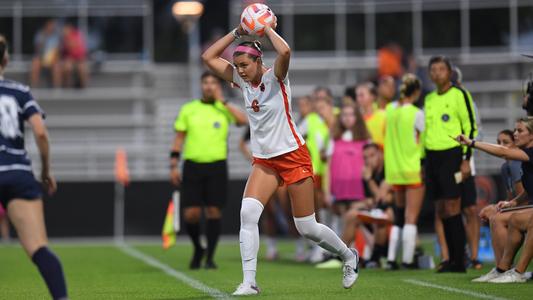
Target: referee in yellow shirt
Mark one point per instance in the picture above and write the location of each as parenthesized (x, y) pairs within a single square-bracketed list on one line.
[(202, 142), (449, 111)]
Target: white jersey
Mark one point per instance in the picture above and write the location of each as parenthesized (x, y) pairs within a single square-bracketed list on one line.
[(273, 131)]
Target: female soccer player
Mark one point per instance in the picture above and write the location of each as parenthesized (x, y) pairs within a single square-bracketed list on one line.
[(280, 156), (523, 137), (405, 125), (19, 191)]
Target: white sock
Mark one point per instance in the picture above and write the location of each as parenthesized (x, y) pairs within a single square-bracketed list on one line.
[(394, 241), (409, 242), (271, 244), (367, 252), (323, 236), (251, 210), (300, 246)]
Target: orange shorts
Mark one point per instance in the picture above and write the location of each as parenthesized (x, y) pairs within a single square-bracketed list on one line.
[(291, 167), (403, 187)]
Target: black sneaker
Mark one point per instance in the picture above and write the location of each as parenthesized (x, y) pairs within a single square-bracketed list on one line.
[(392, 265), (210, 265), (447, 267), (197, 259), (411, 266)]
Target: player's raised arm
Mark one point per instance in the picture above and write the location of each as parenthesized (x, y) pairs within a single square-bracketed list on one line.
[(281, 65), (211, 56)]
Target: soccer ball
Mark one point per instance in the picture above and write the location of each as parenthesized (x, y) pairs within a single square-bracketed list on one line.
[(255, 17)]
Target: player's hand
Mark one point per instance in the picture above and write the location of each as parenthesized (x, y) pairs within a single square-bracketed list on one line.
[(241, 31), (463, 140), (175, 176), (504, 204), (274, 23), (465, 169), (49, 183), (487, 212)]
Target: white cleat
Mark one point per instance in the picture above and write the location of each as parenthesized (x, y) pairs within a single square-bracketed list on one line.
[(246, 289), (351, 270), (489, 276), (510, 276)]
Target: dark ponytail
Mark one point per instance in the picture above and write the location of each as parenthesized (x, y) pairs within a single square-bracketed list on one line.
[(3, 48)]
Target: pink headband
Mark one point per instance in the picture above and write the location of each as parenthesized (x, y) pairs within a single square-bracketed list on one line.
[(248, 50)]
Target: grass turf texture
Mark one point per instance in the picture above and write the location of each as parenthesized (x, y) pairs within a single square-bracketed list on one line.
[(105, 272)]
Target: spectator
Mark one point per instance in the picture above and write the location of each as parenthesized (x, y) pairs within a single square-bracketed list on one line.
[(448, 112), (346, 183), (74, 56), (405, 126), (374, 117), (386, 91), (520, 221), (47, 54), (511, 175), (390, 61)]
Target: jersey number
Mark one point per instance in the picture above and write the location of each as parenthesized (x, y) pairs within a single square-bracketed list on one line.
[(9, 120)]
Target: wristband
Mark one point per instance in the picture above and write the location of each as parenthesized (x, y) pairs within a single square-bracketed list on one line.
[(473, 144), (175, 154), (236, 34)]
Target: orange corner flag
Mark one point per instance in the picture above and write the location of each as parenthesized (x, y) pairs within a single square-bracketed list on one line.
[(122, 174)]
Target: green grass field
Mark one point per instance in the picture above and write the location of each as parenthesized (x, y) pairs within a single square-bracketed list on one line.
[(108, 272)]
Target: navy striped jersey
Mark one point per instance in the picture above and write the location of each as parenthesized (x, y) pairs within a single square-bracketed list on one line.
[(16, 106)]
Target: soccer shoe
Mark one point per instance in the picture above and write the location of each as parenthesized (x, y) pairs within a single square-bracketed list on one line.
[(392, 266), (489, 276), (197, 259), (245, 289), (210, 265), (509, 277), (332, 263), (529, 275), (351, 270)]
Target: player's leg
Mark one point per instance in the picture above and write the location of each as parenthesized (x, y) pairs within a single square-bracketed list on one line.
[(302, 200), (518, 226), (28, 219), (396, 230), (498, 229), (83, 72), (527, 252), (262, 184), (414, 199)]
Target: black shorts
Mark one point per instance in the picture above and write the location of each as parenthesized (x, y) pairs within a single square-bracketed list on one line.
[(468, 192), (204, 184), (18, 184), (440, 170)]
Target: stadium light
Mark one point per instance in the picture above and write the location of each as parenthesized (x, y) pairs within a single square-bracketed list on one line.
[(187, 14)]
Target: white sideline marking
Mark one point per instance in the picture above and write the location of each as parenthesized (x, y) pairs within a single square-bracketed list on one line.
[(451, 289), (173, 273)]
